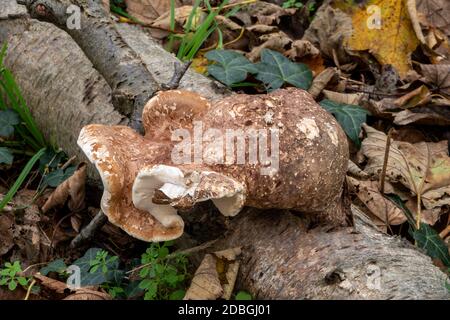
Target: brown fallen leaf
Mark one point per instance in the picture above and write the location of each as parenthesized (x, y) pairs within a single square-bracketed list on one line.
[(424, 115), (369, 193), (412, 13), (181, 17), (393, 41), (87, 294), (206, 284), (275, 41), (424, 167), (356, 172), (322, 80), (52, 284), (262, 28), (428, 216), (327, 32), (148, 10), (300, 49), (6, 232), (436, 198), (215, 277), (71, 190), (435, 13), (346, 98), (228, 259), (438, 76), (32, 244), (416, 97), (264, 13)]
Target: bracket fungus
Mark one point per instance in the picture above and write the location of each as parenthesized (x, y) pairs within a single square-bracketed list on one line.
[(276, 150)]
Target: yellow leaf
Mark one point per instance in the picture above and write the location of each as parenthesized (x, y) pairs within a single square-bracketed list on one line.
[(200, 64), (383, 27)]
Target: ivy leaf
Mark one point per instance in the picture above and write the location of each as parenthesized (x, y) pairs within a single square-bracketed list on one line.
[(54, 266), (231, 67), (8, 119), (133, 290), (50, 159), (6, 156), (275, 69), (429, 240), (349, 116), (55, 178)]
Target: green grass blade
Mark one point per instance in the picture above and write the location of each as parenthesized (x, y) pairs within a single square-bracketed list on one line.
[(184, 42), (3, 53), (10, 87), (26, 170)]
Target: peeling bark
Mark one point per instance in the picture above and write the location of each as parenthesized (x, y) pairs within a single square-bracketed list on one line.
[(282, 259)]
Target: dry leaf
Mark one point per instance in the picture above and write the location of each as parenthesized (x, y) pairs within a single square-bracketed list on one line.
[(385, 210), (215, 277), (345, 98), (428, 216), (6, 232), (416, 97), (86, 294), (206, 284), (229, 260), (262, 28), (181, 16), (72, 189), (300, 49), (392, 42), (422, 167), (435, 13), (436, 198), (274, 41), (412, 12), (438, 76), (265, 13), (76, 222), (425, 115), (322, 80), (148, 10), (356, 172), (327, 32), (52, 284)]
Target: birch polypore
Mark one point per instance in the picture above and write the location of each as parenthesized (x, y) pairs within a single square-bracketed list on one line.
[(277, 150)]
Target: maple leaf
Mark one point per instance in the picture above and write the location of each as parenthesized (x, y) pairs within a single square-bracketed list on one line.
[(391, 38)]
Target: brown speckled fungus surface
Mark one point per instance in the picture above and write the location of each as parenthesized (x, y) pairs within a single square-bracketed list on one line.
[(303, 168)]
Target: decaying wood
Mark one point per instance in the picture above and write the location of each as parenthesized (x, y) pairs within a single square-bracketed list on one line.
[(281, 257)]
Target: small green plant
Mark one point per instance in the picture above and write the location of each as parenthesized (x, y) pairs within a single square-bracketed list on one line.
[(299, 4), (292, 4), (162, 274), (11, 276), (243, 295), (102, 261)]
